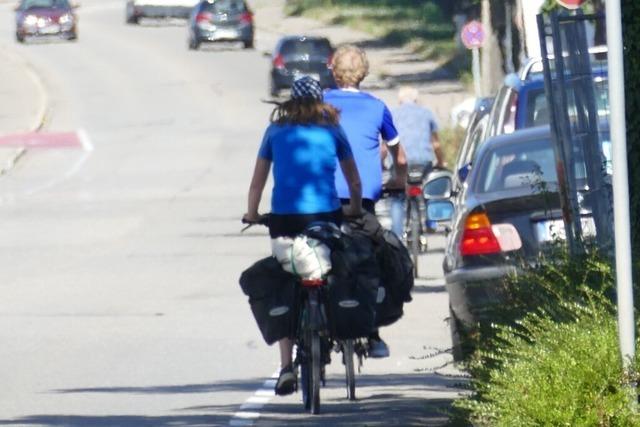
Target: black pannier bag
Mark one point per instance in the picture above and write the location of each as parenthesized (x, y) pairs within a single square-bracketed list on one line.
[(395, 267), (352, 288), (273, 296)]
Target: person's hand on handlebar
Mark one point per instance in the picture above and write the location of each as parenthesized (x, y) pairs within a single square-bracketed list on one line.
[(396, 183), (351, 210), (251, 218)]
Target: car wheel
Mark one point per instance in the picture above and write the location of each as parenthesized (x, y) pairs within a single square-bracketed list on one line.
[(19, 38), (248, 44), (274, 91), (456, 341)]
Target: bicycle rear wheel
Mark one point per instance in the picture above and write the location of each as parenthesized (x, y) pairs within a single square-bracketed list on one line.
[(316, 368), (414, 230), (347, 355)]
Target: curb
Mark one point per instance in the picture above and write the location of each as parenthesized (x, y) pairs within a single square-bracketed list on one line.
[(40, 118)]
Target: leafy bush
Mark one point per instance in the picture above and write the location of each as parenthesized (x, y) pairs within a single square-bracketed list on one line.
[(543, 288), (551, 355), (556, 374)]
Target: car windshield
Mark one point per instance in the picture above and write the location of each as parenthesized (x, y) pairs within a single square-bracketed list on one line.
[(320, 47), (527, 164), (225, 6), (34, 4)]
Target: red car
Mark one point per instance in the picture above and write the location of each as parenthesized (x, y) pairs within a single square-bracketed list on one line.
[(36, 18)]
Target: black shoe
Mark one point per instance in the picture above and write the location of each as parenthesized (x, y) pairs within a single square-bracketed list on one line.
[(287, 381)]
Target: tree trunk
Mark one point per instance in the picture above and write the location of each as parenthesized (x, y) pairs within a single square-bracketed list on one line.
[(492, 74)]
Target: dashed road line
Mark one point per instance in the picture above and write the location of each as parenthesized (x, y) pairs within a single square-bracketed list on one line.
[(249, 410)]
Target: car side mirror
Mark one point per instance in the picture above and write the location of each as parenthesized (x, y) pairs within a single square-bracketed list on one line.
[(463, 172), (438, 188)]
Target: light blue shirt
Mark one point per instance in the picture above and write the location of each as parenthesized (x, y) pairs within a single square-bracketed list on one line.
[(415, 125)]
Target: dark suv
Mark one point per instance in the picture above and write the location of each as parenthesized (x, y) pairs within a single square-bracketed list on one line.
[(298, 56), (221, 21)]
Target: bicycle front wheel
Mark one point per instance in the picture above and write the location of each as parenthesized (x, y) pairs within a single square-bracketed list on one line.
[(414, 220), (347, 354)]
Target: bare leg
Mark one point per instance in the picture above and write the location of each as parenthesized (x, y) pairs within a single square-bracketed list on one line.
[(286, 348)]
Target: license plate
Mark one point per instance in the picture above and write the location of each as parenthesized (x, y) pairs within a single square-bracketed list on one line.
[(547, 231), (299, 75), (226, 34), (51, 29)]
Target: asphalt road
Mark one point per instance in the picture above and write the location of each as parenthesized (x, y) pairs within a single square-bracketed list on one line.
[(121, 252)]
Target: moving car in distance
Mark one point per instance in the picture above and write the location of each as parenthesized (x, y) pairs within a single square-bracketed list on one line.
[(221, 21), (298, 56), (45, 18), (137, 9)]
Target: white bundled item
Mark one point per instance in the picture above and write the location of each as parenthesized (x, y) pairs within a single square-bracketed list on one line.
[(303, 256)]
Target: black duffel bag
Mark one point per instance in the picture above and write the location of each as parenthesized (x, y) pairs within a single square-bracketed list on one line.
[(352, 288), (273, 296), (395, 268)]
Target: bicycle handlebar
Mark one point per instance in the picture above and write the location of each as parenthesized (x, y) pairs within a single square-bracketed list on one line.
[(264, 220)]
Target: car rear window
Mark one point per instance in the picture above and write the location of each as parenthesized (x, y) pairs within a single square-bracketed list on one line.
[(307, 46), (225, 6), (527, 164), (537, 110)]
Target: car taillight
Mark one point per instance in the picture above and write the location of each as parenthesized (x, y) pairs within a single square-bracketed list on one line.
[(203, 17), (414, 191), (478, 237), (246, 18), (278, 61)]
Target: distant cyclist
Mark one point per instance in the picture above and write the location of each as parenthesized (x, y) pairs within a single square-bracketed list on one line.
[(418, 129), (304, 142), (367, 122)]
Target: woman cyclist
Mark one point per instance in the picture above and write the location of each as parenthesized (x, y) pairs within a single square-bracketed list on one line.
[(305, 143)]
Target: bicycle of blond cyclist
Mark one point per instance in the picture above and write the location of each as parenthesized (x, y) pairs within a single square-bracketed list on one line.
[(313, 341)]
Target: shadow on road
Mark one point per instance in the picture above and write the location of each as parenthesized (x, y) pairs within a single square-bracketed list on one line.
[(249, 385), (121, 421)]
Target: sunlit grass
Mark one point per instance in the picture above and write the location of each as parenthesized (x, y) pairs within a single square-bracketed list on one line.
[(419, 24)]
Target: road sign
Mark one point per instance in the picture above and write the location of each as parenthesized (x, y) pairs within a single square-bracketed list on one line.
[(472, 35), (570, 4)]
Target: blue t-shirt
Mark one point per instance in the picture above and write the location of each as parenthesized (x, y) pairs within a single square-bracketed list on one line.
[(416, 125), (364, 119), (305, 159)]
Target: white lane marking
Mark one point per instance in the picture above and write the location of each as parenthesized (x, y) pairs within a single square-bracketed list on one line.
[(248, 413), (83, 136), (87, 148)]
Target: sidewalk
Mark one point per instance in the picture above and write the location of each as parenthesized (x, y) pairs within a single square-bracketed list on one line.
[(390, 66), (24, 102)]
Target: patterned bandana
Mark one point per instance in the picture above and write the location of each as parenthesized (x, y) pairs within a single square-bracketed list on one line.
[(306, 87)]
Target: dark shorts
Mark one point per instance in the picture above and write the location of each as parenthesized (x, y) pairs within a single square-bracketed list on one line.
[(292, 225), (367, 204)]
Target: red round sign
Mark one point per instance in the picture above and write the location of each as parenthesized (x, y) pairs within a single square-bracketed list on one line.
[(472, 35), (570, 4)]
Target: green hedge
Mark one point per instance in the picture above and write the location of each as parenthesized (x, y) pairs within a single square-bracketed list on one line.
[(556, 374)]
